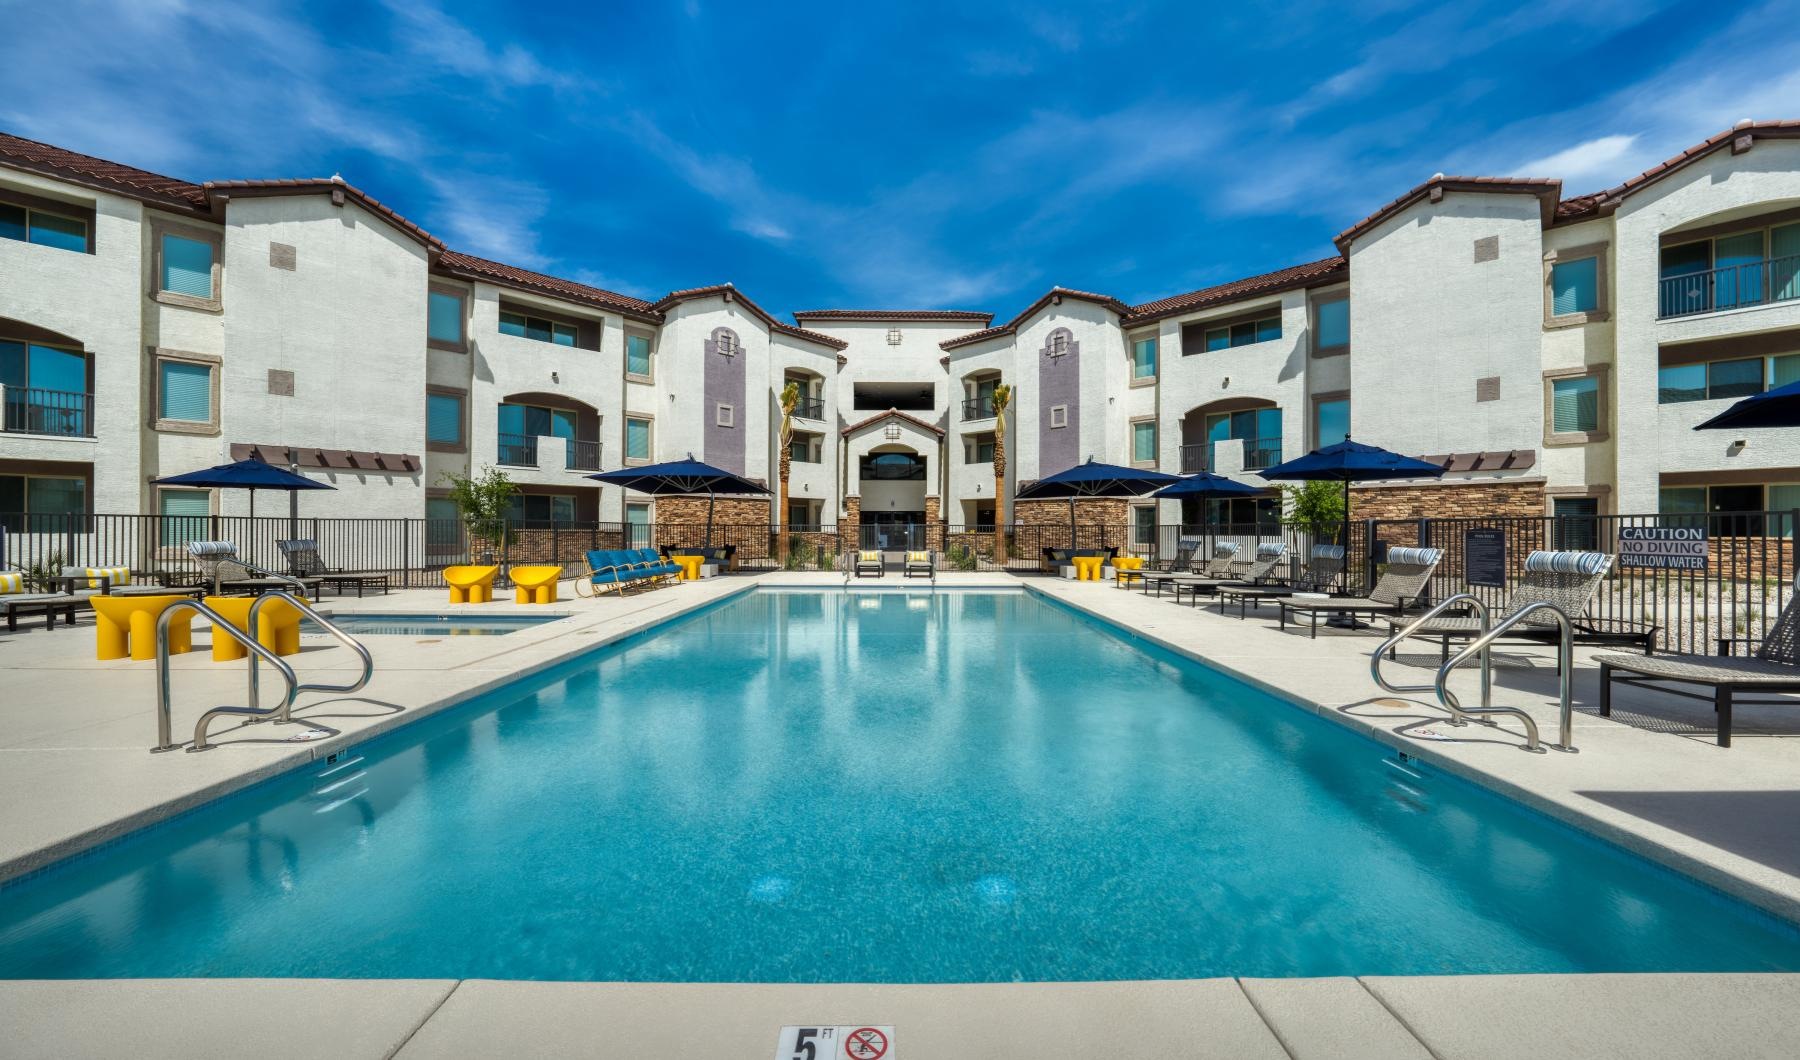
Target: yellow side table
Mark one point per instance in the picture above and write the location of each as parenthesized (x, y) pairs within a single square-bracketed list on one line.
[(1087, 568), (471, 584), (126, 625), (277, 626), (534, 585), (690, 566), (1128, 569)]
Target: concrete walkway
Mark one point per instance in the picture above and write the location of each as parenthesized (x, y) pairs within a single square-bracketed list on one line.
[(1548, 1017)]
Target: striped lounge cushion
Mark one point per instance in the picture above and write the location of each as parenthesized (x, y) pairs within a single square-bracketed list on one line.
[(868, 557), (212, 548), (1222, 549), (918, 557), (1415, 557), (1271, 551), (1328, 552), (1583, 563), (116, 576), (13, 582)]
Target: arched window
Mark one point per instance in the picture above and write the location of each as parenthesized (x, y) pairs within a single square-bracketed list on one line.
[(725, 342)]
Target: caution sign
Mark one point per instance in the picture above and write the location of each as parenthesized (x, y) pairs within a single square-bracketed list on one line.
[(1663, 547), (851, 1042)]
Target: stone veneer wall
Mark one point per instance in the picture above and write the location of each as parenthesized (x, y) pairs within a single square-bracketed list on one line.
[(1453, 501), (691, 511), (849, 527)]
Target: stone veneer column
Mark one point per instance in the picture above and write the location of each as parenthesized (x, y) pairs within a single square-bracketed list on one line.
[(849, 532), (934, 527)]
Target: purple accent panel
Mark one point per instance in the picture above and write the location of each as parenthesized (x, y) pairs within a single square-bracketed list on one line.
[(725, 386), (1059, 383)]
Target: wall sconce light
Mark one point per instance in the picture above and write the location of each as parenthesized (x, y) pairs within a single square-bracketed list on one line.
[(1226, 384), (555, 377), (1738, 445)]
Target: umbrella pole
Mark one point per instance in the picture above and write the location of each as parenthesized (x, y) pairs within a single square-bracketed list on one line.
[(709, 517), (1072, 521)]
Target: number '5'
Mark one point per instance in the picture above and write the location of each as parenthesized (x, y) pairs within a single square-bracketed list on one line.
[(804, 1049)]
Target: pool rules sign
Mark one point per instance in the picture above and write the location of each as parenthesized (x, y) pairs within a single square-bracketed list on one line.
[(864, 1042), (1662, 547)]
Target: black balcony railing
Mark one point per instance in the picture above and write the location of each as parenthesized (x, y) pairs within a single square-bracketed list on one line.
[(582, 456), (518, 450), (34, 410), (1193, 458), (1261, 452), (978, 408), (1732, 287), (1258, 453), (810, 408)]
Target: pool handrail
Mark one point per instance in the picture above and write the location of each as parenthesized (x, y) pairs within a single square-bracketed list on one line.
[(1565, 658), (330, 627), (164, 720)]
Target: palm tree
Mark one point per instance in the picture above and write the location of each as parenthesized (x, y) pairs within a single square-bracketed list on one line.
[(1002, 397), (790, 399)]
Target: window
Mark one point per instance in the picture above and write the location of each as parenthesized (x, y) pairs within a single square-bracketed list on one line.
[(1059, 342), (1574, 286), (538, 328), (725, 342), (637, 513), (1243, 333), (444, 319), (443, 527), (1332, 319), (32, 225), (40, 503), (184, 392), (637, 439), (1736, 378), (1258, 429), (1143, 442), (1732, 510), (893, 336), (637, 356), (540, 509), (1331, 421), (1143, 358), (1681, 500), (1730, 271), (978, 449), (1059, 415), (444, 421), (726, 416), (1575, 405), (1784, 369), (1143, 526), (806, 448), (1576, 525), (187, 269), (185, 516), (47, 390)]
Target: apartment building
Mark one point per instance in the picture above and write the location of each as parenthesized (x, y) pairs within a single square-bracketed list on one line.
[(1552, 352)]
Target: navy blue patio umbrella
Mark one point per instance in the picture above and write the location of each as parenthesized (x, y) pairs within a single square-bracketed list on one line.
[(1094, 480), (1207, 486), (1779, 407), (1348, 462), (685, 478), (249, 475)]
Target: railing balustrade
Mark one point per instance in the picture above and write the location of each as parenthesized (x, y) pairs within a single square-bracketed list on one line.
[(35, 410), (810, 408), (1730, 287), (517, 450), (978, 408), (583, 455)]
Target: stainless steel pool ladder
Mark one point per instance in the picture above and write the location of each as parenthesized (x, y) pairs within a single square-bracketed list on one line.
[(280, 713), (1482, 645)]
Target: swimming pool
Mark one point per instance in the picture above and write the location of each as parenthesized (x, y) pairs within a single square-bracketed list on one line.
[(889, 787), (425, 625)]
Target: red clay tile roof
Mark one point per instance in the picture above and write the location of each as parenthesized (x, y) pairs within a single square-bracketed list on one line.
[(1312, 274), (469, 267), (98, 173), (1547, 190), (1598, 203), (315, 185), (879, 315), (732, 294), (896, 413), (1055, 294)]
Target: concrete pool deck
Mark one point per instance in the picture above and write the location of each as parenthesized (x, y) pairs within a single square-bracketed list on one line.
[(75, 771)]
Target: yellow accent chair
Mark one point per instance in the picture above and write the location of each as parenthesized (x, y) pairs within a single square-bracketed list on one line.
[(471, 584), (277, 626), (534, 585)]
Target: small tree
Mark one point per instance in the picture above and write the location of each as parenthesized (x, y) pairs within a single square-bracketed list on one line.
[(790, 399), (482, 503), (1315, 508)]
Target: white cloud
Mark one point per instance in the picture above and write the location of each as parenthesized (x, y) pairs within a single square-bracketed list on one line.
[(435, 35), (1589, 162), (495, 217)]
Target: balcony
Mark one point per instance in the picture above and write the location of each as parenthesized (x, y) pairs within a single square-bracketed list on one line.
[(582, 456), (1261, 452), (978, 408), (1753, 283), (517, 450), (59, 413), (810, 408), (1258, 454), (524, 450), (1193, 458)]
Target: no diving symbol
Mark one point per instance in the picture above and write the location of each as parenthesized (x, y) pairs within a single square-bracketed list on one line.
[(865, 1043)]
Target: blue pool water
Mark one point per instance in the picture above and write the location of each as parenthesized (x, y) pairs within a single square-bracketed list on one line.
[(871, 787), (452, 625)]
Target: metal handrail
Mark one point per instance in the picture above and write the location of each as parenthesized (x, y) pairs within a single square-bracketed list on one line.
[(1565, 658), (1388, 645), (1459, 714), (164, 721), (357, 646)]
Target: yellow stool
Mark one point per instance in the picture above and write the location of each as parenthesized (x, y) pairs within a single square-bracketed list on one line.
[(690, 566), (534, 585), (1127, 569), (1087, 568), (130, 621), (277, 626), (471, 585)]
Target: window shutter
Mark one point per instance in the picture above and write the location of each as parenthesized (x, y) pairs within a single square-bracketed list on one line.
[(187, 266), (186, 392), (1573, 286), (1575, 406)]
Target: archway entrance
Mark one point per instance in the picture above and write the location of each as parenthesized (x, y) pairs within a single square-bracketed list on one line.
[(891, 482)]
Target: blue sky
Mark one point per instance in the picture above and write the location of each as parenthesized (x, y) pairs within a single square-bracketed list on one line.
[(914, 155)]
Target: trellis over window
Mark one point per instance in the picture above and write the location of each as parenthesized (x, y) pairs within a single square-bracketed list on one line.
[(724, 342), (1060, 342)]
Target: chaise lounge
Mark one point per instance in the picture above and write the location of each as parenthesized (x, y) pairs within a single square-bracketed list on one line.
[(303, 561), (1568, 580), (16, 599), (1408, 574), (1322, 571), (1222, 567), (1268, 556)]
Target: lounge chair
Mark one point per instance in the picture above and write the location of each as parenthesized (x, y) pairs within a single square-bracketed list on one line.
[(621, 568), (1222, 567), (221, 567), (1569, 580), (1774, 668), (1399, 587), (17, 599), (869, 563), (119, 581), (1268, 556), (921, 563), (1321, 572), (303, 561)]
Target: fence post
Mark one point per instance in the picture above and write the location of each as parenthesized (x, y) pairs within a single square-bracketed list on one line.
[(1368, 556), (405, 552)]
